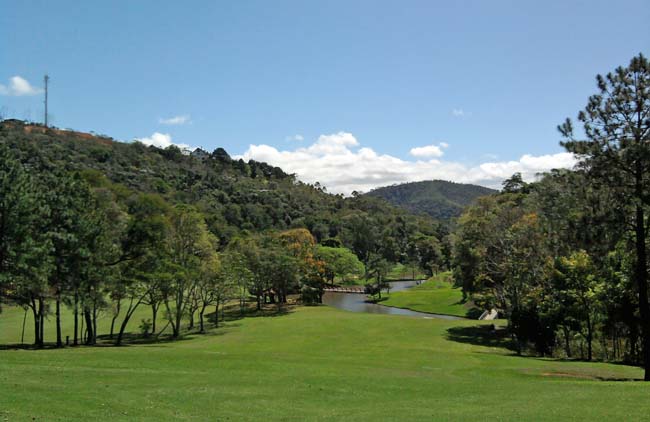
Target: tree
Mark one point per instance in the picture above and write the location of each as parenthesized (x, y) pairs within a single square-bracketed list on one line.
[(430, 253), (247, 254), (188, 243), (339, 262), (25, 263), (304, 270), (577, 289), (236, 274), (378, 267), (616, 152), (145, 257), (77, 228), (361, 235)]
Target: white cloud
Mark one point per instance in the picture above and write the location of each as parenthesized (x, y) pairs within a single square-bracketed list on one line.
[(342, 165), (459, 112), (163, 140), (429, 150), (19, 87), (296, 137), (176, 120)]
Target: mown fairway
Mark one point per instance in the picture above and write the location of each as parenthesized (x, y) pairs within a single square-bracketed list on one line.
[(437, 295), (313, 364)]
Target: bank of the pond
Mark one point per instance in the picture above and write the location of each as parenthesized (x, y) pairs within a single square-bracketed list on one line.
[(355, 302), (437, 295)]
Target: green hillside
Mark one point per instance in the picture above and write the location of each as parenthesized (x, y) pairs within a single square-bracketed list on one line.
[(438, 198), (236, 197)]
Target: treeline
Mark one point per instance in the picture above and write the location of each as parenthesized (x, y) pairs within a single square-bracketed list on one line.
[(73, 239), (564, 259)]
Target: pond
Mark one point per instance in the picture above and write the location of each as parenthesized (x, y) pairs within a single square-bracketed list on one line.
[(355, 302)]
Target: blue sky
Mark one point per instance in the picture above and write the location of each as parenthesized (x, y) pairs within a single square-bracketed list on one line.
[(489, 79)]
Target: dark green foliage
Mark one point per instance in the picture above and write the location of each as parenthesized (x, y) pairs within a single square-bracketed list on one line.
[(235, 197), (437, 198), (565, 259), (616, 152)]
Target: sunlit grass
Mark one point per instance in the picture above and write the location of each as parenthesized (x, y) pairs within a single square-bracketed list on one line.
[(437, 295), (314, 363)]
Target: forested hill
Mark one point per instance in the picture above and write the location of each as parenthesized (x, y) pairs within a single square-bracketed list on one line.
[(236, 197), (438, 198)]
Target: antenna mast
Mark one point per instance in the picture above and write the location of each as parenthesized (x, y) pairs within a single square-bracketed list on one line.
[(46, 79)]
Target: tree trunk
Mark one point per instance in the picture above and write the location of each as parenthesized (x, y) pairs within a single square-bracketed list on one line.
[(567, 344), (154, 313), (120, 334), (176, 327), (127, 317), (590, 338), (115, 315), (641, 271), (201, 327), (94, 322), (41, 316), (59, 341), (81, 331), (37, 321), (75, 341), (89, 326)]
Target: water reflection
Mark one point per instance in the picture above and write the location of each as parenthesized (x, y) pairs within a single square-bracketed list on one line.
[(355, 302)]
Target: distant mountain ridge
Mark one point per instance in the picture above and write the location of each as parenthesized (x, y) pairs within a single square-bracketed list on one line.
[(438, 198)]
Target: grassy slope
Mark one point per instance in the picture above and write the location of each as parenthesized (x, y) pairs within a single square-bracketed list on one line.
[(313, 364), (398, 272), (436, 295)]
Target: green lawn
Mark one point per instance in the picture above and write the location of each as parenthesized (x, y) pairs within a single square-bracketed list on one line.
[(397, 272), (315, 363), (437, 295), (403, 272)]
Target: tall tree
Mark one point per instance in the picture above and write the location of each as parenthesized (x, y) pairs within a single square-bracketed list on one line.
[(74, 227), (188, 243), (616, 152), (24, 249), (145, 258)]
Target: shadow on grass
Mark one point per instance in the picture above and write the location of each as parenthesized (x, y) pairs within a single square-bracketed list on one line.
[(267, 311), (482, 335), (227, 320), (488, 335)]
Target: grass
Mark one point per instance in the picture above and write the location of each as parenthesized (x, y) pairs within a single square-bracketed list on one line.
[(315, 363), (437, 295), (403, 272), (397, 272)]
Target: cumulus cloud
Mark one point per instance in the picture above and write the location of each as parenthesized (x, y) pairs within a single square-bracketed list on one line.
[(18, 87), (296, 137), (163, 140), (341, 164), (429, 150), (176, 120)]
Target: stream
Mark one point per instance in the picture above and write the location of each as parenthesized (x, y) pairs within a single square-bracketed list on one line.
[(355, 302)]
